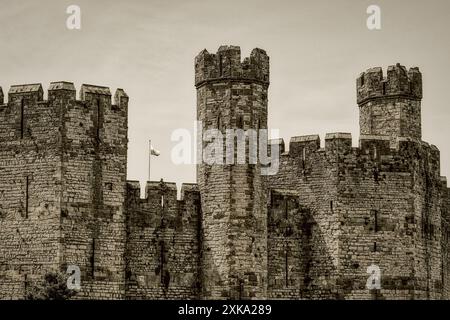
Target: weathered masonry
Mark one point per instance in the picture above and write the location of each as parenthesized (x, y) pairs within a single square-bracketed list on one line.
[(308, 232)]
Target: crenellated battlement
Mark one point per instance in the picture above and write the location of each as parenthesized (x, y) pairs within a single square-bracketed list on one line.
[(89, 89), (303, 146), (25, 91), (27, 115), (161, 201), (35, 90), (120, 97), (61, 85), (159, 188), (398, 82), (227, 64)]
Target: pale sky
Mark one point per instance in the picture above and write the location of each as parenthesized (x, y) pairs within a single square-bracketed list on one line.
[(316, 48)]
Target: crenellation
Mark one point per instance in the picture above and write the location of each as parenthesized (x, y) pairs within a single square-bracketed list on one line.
[(26, 88), (398, 82), (226, 64), (280, 143), (61, 85), (187, 189), (339, 140), (120, 98), (375, 145), (372, 145), (160, 192), (301, 145), (89, 89)]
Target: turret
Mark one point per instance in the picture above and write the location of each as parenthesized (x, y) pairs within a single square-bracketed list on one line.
[(226, 64), (391, 105), (232, 94)]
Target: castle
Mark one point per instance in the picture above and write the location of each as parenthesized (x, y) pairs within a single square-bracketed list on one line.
[(308, 232)]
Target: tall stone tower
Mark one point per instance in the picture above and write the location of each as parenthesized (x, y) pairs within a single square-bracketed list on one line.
[(62, 187), (232, 95), (390, 106)]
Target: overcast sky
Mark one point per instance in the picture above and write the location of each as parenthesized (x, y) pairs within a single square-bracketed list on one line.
[(316, 48)]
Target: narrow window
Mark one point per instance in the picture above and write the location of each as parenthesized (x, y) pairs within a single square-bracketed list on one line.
[(25, 284), (240, 123), (362, 80), (375, 220), (98, 120), (22, 120), (93, 258), (286, 215), (219, 123), (241, 289), (384, 88), (162, 201), (303, 159), (27, 196), (161, 262), (220, 66), (374, 247), (286, 268)]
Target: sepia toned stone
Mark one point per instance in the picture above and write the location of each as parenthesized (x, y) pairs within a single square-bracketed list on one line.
[(311, 231)]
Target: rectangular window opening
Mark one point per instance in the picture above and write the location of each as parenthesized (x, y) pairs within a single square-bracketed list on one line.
[(375, 220), (27, 195), (22, 120), (98, 120), (286, 266), (93, 258)]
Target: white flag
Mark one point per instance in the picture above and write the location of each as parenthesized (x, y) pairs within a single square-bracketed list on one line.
[(154, 152)]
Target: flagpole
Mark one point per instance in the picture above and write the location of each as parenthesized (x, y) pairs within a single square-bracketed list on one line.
[(149, 157)]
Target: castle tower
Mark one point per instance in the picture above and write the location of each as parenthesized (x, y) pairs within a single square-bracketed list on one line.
[(390, 106), (232, 95), (63, 169)]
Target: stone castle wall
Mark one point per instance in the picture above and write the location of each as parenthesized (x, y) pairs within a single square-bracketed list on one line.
[(62, 180), (30, 171), (93, 201), (303, 228), (390, 205), (308, 232), (445, 243), (163, 243), (336, 211)]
